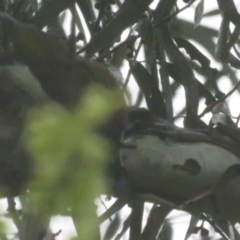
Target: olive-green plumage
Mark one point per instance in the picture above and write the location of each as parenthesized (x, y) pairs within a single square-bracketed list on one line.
[(61, 78)]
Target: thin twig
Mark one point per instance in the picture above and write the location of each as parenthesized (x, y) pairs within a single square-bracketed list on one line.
[(215, 226), (129, 71), (57, 233), (100, 14), (128, 40), (104, 205), (211, 106), (137, 36)]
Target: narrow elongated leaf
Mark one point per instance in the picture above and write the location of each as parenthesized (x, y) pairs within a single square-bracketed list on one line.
[(155, 220), (212, 13), (192, 226), (166, 88), (119, 204), (129, 13), (166, 231), (198, 13), (88, 13), (145, 30), (193, 52), (48, 11), (112, 228), (136, 218), (149, 86), (124, 229), (203, 91), (187, 76)]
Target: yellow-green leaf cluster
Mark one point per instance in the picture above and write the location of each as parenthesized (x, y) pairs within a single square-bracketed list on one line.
[(70, 155)]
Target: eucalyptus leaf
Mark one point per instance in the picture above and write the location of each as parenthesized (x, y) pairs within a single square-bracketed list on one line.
[(129, 13), (192, 226), (198, 13), (145, 29)]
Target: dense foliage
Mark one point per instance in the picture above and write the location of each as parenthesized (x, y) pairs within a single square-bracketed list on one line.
[(62, 114)]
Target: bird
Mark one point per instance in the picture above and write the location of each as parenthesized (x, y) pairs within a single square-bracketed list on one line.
[(57, 77), (62, 78)]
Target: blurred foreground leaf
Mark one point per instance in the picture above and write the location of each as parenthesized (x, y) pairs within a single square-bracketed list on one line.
[(70, 157)]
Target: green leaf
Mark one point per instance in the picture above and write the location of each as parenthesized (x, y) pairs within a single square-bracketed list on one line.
[(129, 13), (198, 13), (145, 30), (149, 86), (70, 157)]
